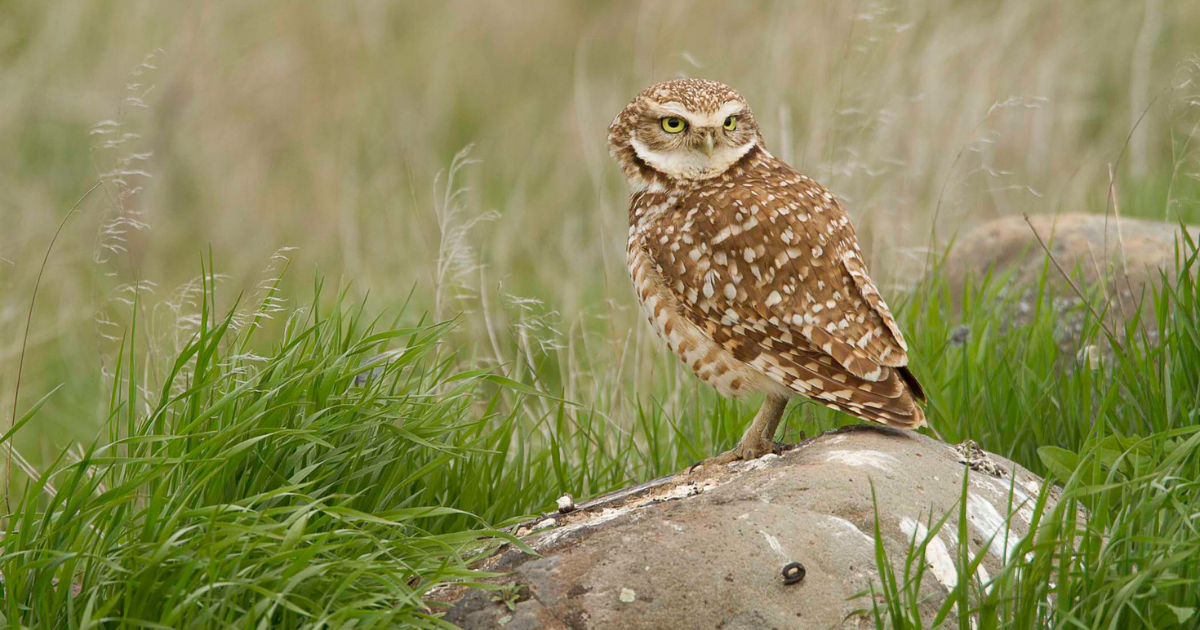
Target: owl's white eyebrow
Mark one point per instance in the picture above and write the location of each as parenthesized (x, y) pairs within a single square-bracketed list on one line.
[(673, 109), (728, 109)]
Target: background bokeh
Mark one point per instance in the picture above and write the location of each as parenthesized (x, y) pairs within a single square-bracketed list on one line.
[(248, 129)]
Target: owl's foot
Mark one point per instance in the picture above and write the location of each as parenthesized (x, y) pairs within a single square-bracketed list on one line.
[(751, 447)]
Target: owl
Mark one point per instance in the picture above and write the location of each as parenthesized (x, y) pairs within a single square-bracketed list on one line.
[(749, 270)]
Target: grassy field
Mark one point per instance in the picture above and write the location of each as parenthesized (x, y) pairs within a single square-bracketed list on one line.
[(286, 190)]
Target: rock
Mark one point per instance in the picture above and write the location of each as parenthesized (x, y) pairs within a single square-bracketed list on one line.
[(380, 361), (707, 550), (1119, 258)]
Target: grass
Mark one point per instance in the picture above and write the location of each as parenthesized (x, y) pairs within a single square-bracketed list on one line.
[(237, 489), (1132, 562), (323, 127), (1123, 440), (295, 481)]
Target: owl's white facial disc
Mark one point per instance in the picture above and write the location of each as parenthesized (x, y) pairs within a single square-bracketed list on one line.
[(686, 156), (686, 163)]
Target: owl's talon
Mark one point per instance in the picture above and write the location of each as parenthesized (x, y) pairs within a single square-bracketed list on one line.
[(746, 450)]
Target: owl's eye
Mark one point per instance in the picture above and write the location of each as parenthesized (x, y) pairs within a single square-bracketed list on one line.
[(730, 123), (671, 124)]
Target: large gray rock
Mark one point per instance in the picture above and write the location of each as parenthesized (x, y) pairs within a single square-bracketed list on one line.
[(1121, 261), (705, 550)]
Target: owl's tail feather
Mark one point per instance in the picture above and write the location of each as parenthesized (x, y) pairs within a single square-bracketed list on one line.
[(894, 400), (911, 418), (918, 392)]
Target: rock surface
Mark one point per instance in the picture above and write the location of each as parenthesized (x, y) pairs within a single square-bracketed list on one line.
[(706, 549), (1121, 259)]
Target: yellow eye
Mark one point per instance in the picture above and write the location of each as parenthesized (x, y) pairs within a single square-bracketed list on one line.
[(671, 124), (730, 123)]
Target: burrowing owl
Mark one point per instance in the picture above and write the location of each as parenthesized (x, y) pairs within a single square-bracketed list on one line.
[(751, 271)]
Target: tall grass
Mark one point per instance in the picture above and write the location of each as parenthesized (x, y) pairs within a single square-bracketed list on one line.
[(1132, 560), (280, 472), (1119, 546), (283, 473), (231, 488), (324, 127)]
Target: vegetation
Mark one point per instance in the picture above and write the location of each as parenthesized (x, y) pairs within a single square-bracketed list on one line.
[(297, 481), (222, 449), (1118, 547)]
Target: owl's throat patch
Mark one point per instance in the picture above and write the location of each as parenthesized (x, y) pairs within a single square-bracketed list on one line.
[(690, 163)]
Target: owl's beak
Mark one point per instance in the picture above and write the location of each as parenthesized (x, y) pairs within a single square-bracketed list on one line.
[(708, 144)]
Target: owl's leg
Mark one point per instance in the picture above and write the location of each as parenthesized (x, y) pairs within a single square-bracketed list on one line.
[(768, 431), (759, 438)]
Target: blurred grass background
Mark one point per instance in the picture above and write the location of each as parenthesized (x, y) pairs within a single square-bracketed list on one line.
[(331, 128)]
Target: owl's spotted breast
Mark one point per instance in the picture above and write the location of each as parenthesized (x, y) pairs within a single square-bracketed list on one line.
[(696, 347), (757, 273)]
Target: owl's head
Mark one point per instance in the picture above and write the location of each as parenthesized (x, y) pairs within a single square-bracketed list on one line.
[(685, 129)]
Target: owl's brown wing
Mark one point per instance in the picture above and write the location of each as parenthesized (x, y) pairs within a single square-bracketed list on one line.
[(770, 267)]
